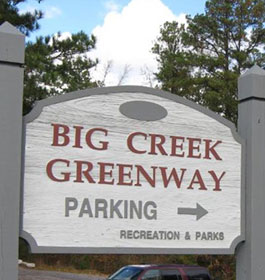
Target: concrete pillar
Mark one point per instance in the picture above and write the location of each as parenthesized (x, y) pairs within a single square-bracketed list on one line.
[(251, 126), (11, 88)]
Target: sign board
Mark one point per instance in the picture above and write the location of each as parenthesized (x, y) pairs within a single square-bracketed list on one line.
[(130, 170)]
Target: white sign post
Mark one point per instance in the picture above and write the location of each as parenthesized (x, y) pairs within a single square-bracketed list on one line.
[(130, 169), (11, 89)]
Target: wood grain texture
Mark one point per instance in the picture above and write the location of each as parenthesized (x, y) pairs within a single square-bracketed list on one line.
[(44, 200)]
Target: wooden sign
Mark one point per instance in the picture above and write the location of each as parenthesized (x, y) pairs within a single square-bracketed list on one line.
[(130, 169)]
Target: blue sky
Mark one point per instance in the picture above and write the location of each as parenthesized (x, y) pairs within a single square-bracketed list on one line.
[(125, 30), (76, 15)]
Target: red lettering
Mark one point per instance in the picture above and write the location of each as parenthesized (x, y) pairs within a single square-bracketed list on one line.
[(197, 179), (141, 170), (103, 146), (60, 130), (122, 174), (80, 172), (173, 174), (211, 149), (103, 173), (49, 170), (130, 142), (175, 146), (78, 136), (158, 145), (216, 180), (192, 147)]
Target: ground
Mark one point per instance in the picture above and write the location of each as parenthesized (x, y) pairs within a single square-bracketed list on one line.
[(33, 274)]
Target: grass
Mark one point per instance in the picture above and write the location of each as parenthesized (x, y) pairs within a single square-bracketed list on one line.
[(69, 269)]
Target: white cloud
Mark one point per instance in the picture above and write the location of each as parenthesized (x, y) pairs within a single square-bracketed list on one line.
[(63, 36), (111, 6), (126, 39), (49, 11), (52, 12), (27, 9)]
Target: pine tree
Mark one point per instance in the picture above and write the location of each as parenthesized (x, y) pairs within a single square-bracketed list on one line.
[(54, 66), (25, 22), (174, 65), (215, 47)]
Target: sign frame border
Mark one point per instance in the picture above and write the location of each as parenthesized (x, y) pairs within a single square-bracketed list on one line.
[(36, 111)]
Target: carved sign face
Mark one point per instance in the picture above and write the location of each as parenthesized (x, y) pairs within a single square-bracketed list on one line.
[(130, 169)]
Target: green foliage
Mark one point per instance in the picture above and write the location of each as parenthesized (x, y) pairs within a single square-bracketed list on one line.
[(200, 62), (26, 22), (54, 65), (220, 267), (203, 61), (174, 65)]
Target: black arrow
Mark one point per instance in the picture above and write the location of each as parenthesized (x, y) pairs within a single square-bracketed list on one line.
[(199, 211)]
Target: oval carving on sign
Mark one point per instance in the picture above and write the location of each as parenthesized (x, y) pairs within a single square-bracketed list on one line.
[(143, 110)]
